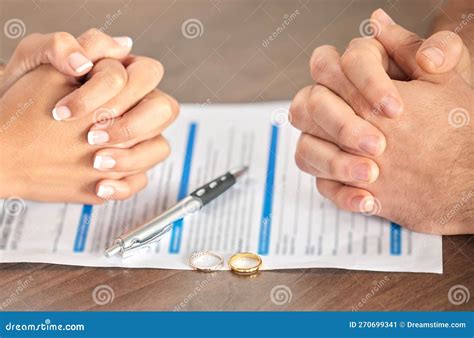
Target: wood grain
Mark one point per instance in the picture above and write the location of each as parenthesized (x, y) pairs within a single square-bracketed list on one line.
[(228, 63)]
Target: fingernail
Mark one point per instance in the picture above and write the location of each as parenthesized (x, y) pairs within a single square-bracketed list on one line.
[(363, 203), (79, 62), (61, 113), (362, 172), (391, 106), (97, 137), (105, 191), (384, 18), (434, 55), (370, 144), (124, 41), (102, 162)]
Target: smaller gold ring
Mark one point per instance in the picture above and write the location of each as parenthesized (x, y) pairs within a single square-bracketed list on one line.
[(194, 261), (247, 270)]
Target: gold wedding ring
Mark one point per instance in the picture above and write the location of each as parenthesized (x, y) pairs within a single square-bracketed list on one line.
[(245, 263)]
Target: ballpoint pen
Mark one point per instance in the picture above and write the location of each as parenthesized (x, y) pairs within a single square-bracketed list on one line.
[(152, 231)]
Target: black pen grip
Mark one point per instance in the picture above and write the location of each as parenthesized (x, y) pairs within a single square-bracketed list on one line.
[(212, 190)]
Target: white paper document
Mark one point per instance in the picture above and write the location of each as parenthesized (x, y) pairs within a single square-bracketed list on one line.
[(274, 210)]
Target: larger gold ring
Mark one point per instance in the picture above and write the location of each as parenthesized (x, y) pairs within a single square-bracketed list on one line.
[(248, 269)]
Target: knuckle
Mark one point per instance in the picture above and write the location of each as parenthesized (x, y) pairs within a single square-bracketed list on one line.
[(320, 187), (92, 32), (154, 67), (78, 103), (304, 165), (296, 110), (174, 105), (350, 58), (60, 40), (116, 79), (91, 37), (27, 40), (356, 42), (370, 84), (126, 133), (334, 166), (299, 161), (303, 146), (317, 95), (343, 133), (323, 62)]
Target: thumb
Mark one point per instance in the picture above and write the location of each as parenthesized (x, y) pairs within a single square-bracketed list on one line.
[(401, 44), (443, 52)]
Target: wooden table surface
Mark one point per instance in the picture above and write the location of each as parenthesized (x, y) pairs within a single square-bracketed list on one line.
[(227, 62)]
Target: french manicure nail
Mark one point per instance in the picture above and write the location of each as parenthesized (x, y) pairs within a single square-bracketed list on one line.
[(362, 172), (79, 62), (391, 106), (434, 55), (384, 18), (105, 191), (61, 113), (97, 137), (102, 162), (370, 144), (124, 41)]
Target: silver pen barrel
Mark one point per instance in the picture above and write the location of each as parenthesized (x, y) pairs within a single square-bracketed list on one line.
[(153, 230), (157, 227)]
